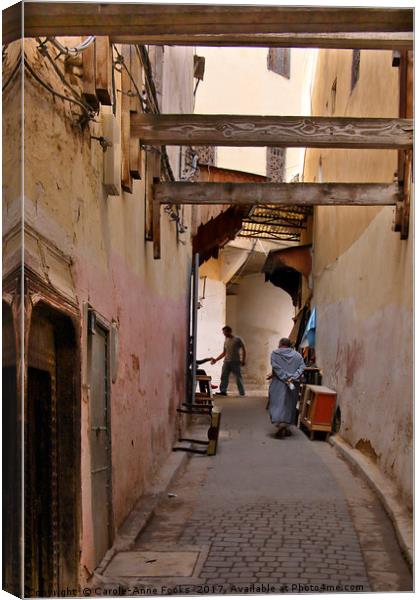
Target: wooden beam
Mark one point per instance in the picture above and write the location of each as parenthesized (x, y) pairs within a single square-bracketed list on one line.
[(135, 107), (126, 177), (360, 41), (284, 194), (156, 226), (152, 172), (12, 21), (89, 76), (77, 18), (289, 132), (103, 60), (402, 210)]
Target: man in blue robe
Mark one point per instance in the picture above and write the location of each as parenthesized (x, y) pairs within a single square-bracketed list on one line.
[(287, 368)]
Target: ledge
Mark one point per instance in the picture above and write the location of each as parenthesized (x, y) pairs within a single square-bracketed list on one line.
[(386, 491)]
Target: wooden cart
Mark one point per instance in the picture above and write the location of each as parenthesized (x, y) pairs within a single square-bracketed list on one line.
[(317, 409)]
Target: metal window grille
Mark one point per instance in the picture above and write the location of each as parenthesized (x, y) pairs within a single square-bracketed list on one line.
[(276, 164)]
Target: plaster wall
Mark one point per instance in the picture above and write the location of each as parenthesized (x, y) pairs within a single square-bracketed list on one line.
[(12, 156), (250, 88), (261, 314), (113, 269), (211, 319), (362, 276)]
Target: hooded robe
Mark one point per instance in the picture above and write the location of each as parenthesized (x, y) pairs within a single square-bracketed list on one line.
[(286, 364)]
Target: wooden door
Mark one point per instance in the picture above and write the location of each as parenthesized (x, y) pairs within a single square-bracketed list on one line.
[(40, 483)]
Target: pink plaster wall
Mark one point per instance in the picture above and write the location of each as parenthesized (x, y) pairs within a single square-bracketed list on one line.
[(152, 331), (112, 268)]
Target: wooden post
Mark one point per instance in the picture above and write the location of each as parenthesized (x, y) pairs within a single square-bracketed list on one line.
[(405, 174), (103, 61), (152, 174), (135, 107), (126, 178), (89, 78), (408, 162), (156, 223)]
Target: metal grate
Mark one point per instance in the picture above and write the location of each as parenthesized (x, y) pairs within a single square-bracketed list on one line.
[(276, 223)]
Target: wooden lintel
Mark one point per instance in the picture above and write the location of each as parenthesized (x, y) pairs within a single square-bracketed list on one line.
[(364, 41), (147, 19), (287, 132), (286, 194)]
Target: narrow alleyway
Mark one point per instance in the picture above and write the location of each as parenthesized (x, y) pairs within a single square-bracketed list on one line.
[(264, 515)]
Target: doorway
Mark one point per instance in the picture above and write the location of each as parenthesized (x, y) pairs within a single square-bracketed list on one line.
[(52, 455), (100, 436), (11, 459)]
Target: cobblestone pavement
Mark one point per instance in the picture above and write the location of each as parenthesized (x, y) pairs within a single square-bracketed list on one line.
[(274, 516), (279, 543)]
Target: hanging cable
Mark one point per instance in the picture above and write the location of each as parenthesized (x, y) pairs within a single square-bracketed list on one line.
[(44, 51), (120, 60), (89, 113), (15, 70), (73, 51)]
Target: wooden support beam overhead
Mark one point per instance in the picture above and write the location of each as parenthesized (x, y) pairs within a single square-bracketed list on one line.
[(77, 18), (141, 24), (361, 41), (289, 132), (284, 194)]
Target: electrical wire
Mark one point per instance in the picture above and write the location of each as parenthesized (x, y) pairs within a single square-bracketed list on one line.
[(45, 53), (122, 62), (75, 50), (15, 70), (88, 111)]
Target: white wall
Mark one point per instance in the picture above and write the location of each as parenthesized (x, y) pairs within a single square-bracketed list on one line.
[(237, 81), (211, 319), (261, 314)]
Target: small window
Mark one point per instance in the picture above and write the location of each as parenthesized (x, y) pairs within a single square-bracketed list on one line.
[(355, 68), (276, 163), (278, 61), (206, 155)]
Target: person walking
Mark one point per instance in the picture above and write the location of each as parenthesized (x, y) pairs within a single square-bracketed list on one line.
[(234, 353), (287, 368)]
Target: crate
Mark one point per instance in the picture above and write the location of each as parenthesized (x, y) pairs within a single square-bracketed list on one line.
[(317, 409)]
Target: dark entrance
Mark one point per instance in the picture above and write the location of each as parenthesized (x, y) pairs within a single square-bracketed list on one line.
[(11, 459), (52, 455)]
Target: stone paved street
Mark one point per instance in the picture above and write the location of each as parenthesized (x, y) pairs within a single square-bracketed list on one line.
[(288, 515)]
